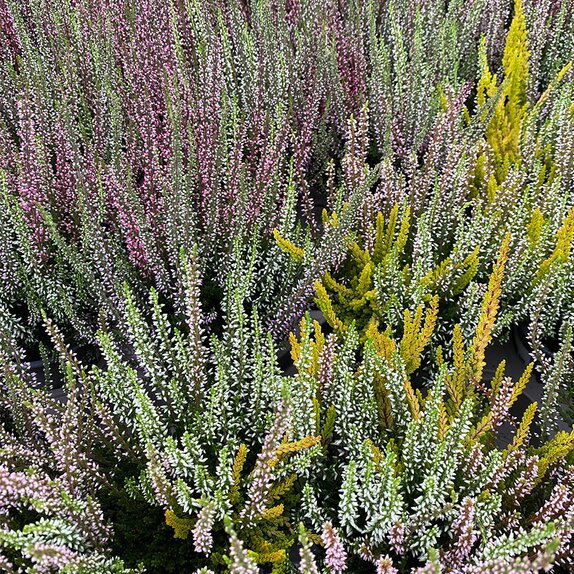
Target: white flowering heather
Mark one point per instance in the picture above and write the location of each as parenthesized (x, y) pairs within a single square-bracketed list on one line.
[(202, 535), (241, 562), (307, 563), (180, 181)]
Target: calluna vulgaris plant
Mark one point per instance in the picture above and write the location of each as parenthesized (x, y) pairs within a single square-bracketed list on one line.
[(234, 455), (181, 181), (130, 130)]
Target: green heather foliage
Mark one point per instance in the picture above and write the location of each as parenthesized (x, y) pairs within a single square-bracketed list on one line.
[(429, 487), (129, 131), (181, 182), (209, 442)]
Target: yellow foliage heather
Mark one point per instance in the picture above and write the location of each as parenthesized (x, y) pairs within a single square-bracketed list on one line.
[(469, 266), (503, 131), (295, 348), (429, 325), (496, 382), (443, 421), (489, 310), (236, 471), (412, 399), (181, 526), (326, 306), (283, 487), (288, 246), (523, 429), (521, 384), (329, 220), (316, 346), (384, 343), (403, 234), (470, 263), (415, 338), (535, 227), (290, 447), (277, 556), (273, 512), (563, 247), (556, 449), (483, 426), (338, 288), (360, 294)]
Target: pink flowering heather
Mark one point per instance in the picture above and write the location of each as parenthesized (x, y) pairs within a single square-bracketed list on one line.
[(385, 566), (527, 478), (263, 475), (31, 184), (428, 568), (19, 487), (560, 504), (64, 516), (326, 362), (397, 537), (463, 533), (336, 556)]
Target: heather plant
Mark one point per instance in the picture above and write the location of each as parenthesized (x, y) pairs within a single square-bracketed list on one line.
[(378, 499), (211, 449), (50, 516), (399, 263), (130, 131), (204, 456), (502, 172), (160, 438), (431, 490), (397, 266), (162, 169), (379, 281)]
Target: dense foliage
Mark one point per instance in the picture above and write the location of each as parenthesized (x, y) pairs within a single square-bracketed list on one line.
[(184, 185)]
